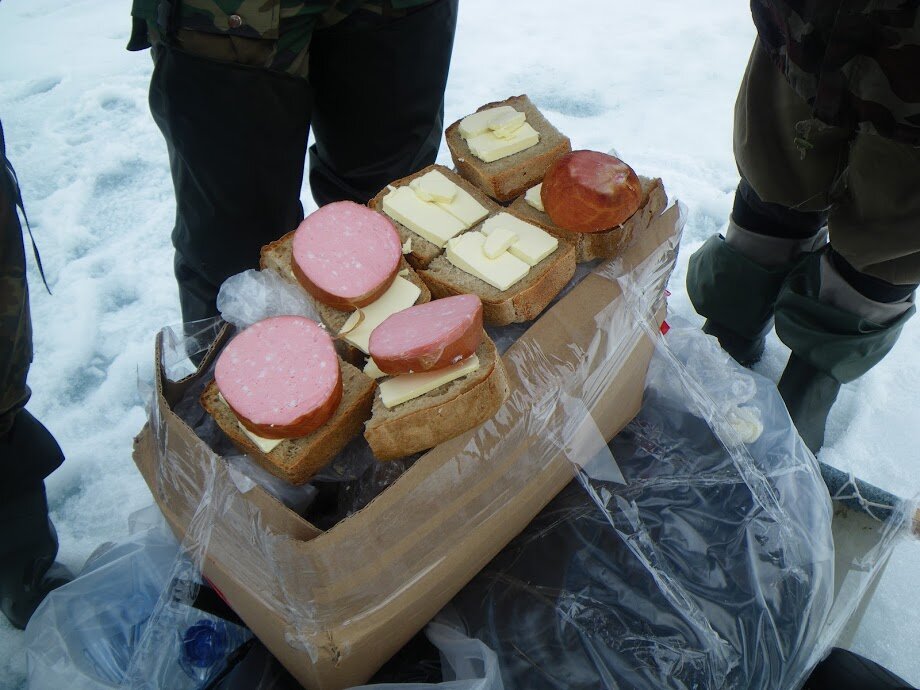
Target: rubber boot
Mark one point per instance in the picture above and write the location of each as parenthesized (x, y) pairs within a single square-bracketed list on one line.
[(734, 281), (836, 335), (28, 542)]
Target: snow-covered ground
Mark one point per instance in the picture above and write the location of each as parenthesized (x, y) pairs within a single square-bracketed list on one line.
[(656, 80)]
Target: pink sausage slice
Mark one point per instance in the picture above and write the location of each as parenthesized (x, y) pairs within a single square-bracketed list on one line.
[(281, 377), (428, 336), (346, 255)]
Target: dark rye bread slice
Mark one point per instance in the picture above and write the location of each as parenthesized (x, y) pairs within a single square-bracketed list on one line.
[(298, 459), (443, 413), (277, 257), (513, 175), (609, 243), (423, 251), (523, 301)]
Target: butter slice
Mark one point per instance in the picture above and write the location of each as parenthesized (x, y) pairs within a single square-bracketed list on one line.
[(477, 123), (488, 147), (433, 186), (423, 218), (533, 244), (405, 387), (266, 445), (466, 253), (371, 369), (506, 124), (498, 242), (461, 204), (533, 197), (400, 295)]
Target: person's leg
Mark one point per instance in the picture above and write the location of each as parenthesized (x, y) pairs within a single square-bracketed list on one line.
[(28, 451), (237, 137), (842, 311), (379, 112), (779, 211)]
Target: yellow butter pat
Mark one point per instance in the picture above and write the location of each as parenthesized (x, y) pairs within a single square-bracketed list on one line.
[(371, 369), (459, 203), (506, 124), (266, 445), (497, 242), (477, 123), (532, 245), (533, 197), (488, 147), (405, 387), (433, 186), (400, 295), (428, 220), (466, 253)]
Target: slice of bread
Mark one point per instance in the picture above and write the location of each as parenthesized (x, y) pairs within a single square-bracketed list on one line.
[(298, 459), (423, 251), (609, 243), (523, 301), (513, 175), (277, 256), (441, 414)]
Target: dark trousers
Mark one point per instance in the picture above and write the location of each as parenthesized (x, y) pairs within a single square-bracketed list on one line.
[(28, 451), (237, 135)]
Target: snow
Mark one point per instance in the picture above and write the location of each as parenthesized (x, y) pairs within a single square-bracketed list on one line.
[(655, 80)]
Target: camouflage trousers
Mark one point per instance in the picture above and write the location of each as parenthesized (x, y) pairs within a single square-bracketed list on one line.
[(15, 322), (866, 186)]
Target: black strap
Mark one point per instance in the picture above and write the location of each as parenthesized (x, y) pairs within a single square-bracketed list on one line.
[(17, 199)]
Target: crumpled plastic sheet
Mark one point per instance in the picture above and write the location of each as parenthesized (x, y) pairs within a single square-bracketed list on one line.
[(718, 522), (87, 634)]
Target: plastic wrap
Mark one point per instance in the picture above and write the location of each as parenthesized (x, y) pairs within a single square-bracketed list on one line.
[(86, 634), (717, 520)]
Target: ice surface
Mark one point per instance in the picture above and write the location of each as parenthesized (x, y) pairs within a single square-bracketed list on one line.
[(655, 80)]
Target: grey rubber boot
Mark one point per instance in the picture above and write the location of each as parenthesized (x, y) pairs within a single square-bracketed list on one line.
[(28, 541), (836, 335), (734, 281)]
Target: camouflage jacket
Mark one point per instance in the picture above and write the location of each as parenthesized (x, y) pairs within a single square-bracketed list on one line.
[(856, 62), (287, 24)]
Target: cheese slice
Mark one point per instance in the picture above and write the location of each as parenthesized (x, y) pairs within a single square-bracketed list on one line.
[(533, 244), (371, 369), (426, 219), (477, 123), (488, 147), (466, 253), (533, 197), (400, 295), (405, 387)]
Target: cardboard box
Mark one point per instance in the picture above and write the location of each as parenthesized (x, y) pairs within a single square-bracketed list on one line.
[(334, 606)]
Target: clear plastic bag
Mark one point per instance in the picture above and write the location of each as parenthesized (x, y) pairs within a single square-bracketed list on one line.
[(86, 633)]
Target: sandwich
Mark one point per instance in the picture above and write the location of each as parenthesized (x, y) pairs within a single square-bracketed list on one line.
[(438, 375)]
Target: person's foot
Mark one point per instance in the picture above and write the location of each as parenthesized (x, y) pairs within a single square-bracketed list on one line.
[(19, 605), (809, 395), (745, 351)]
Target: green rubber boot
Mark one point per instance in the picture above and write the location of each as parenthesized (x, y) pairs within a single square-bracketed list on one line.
[(831, 343), (737, 293)]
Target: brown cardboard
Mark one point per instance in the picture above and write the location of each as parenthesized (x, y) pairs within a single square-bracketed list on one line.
[(334, 606)]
